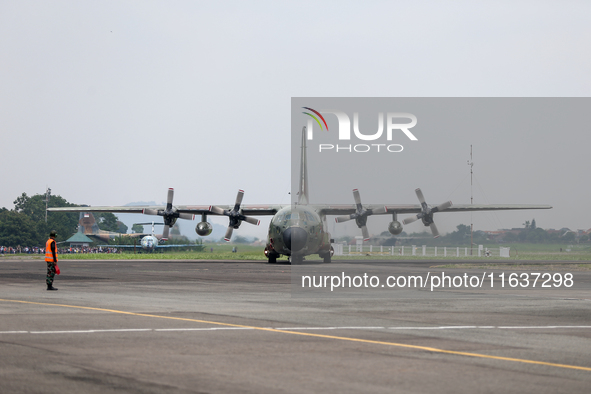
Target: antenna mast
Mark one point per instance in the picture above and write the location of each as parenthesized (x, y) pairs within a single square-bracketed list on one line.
[(47, 194), (471, 164)]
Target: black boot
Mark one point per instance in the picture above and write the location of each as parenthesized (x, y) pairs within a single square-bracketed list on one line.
[(50, 287)]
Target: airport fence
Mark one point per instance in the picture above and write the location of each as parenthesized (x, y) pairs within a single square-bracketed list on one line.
[(422, 250)]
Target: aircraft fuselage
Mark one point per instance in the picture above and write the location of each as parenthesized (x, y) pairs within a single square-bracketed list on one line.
[(297, 231), (149, 243)]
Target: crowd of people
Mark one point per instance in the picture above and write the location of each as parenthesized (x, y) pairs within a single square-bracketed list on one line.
[(4, 250), (21, 249)]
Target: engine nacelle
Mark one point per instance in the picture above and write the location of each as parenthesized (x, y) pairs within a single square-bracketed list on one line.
[(395, 227), (203, 229)]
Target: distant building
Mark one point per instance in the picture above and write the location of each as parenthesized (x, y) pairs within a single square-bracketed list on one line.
[(79, 240)]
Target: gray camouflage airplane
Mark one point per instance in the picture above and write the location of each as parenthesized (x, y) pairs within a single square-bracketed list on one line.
[(300, 229)]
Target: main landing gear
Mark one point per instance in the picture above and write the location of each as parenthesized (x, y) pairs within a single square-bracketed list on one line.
[(271, 256), (327, 257)]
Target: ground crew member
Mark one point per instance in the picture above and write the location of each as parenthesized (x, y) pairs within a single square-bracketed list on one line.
[(51, 259)]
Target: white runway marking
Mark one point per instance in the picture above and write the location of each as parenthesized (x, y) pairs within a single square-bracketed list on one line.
[(327, 328), (203, 329), (95, 331), (92, 331)]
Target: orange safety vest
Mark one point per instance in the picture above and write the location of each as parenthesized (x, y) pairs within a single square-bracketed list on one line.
[(48, 254)]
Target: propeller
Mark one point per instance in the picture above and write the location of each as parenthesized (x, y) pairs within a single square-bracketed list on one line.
[(360, 215), (235, 215), (426, 214), (169, 214)]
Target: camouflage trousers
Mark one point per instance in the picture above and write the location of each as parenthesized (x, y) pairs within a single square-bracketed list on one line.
[(50, 273)]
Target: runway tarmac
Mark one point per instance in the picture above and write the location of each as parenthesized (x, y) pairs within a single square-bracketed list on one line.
[(242, 327)]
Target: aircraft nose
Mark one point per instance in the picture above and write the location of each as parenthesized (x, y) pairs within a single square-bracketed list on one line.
[(295, 238)]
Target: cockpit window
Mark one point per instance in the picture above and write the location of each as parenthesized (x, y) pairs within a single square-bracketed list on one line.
[(282, 218), (310, 217)]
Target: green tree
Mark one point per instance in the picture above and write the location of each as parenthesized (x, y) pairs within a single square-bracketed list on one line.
[(533, 224), (181, 240), (125, 241), (107, 221), (536, 235), (345, 238), (554, 237), (137, 228), (18, 229), (33, 207), (568, 237), (510, 237), (121, 227), (240, 240), (461, 235), (389, 241)]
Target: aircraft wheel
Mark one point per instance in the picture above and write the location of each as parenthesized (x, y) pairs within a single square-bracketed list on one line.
[(272, 259), (327, 259)]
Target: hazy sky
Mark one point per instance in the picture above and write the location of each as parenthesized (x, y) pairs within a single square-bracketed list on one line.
[(113, 102)]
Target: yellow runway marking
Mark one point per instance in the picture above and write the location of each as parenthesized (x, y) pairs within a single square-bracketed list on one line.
[(308, 334)]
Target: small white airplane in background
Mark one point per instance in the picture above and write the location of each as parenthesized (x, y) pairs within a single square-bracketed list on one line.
[(150, 243)]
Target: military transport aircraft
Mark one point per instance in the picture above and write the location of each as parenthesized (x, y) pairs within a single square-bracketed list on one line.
[(300, 229), (88, 226)]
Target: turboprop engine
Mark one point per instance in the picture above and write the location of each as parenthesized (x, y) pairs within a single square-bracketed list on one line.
[(395, 227)]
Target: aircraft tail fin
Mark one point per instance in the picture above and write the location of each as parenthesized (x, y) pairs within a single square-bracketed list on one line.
[(303, 192), (87, 224)]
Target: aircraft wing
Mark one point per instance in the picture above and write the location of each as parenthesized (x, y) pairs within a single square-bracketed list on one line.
[(490, 207), (248, 210), (348, 209), (138, 209), (324, 209), (328, 209)]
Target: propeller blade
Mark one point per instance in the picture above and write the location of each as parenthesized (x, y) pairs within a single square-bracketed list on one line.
[(216, 210), (239, 197), (365, 233), (356, 196), (251, 220), (420, 195), (170, 196), (443, 206), (165, 233), (434, 230), (187, 216), (410, 220), (148, 211), (228, 235), (341, 219), (379, 211)]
